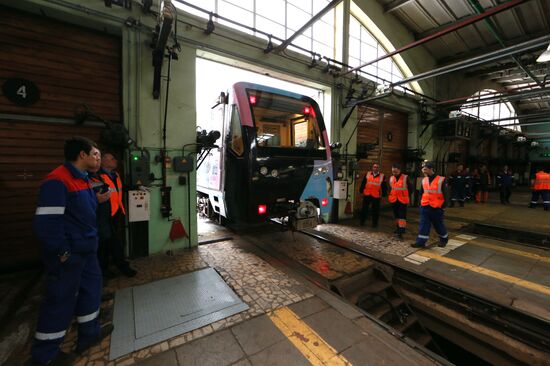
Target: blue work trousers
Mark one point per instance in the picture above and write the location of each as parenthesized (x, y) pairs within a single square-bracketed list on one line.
[(545, 194), (431, 216), (73, 288)]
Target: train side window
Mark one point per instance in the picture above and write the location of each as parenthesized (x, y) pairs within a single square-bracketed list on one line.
[(236, 144)]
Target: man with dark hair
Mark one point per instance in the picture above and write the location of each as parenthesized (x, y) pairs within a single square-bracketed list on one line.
[(113, 244), (400, 186), (65, 224), (373, 187), (431, 207)]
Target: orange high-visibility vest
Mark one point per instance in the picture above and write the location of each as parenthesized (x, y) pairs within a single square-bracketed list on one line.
[(116, 193), (374, 185), (433, 192), (542, 181), (399, 189)]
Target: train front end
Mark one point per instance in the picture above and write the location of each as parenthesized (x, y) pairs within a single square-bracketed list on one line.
[(289, 168)]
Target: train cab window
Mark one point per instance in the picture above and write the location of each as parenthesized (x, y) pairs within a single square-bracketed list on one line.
[(285, 122), (236, 143)]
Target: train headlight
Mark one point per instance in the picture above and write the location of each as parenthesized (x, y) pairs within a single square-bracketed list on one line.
[(264, 170), (274, 173)]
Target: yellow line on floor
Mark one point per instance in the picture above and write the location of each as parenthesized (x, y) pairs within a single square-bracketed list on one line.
[(512, 251), (487, 272), (306, 340)]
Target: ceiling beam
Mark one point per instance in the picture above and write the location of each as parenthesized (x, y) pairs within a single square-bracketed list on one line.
[(494, 29), (396, 4), (495, 46), (456, 26), (488, 57)]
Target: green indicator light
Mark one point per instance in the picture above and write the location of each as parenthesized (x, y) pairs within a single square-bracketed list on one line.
[(136, 157)]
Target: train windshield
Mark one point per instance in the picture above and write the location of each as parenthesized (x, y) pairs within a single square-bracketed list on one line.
[(285, 122)]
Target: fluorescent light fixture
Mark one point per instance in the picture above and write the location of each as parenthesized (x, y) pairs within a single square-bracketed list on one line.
[(545, 56)]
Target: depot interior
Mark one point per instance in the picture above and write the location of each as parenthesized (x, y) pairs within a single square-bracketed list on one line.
[(397, 81)]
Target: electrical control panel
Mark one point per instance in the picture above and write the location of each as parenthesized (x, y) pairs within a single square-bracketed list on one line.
[(138, 206), (340, 189), (139, 169)]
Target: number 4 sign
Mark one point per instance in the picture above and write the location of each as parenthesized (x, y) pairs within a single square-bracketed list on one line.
[(21, 92)]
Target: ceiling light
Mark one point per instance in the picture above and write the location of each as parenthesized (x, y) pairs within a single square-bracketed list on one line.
[(545, 56)]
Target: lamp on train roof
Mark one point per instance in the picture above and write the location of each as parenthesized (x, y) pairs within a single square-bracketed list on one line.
[(545, 56)]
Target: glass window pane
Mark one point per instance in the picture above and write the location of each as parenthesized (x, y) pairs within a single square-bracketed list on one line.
[(323, 32), (302, 4), (271, 9), (354, 27), (209, 5), (354, 47), (319, 5), (323, 49), (353, 62), (328, 17), (303, 41), (368, 38), (296, 18), (235, 13), (384, 75), (245, 4), (270, 27), (385, 65), (368, 52), (371, 69)]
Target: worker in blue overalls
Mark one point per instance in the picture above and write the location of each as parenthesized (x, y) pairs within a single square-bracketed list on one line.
[(459, 186), (65, 224), (433, 193)]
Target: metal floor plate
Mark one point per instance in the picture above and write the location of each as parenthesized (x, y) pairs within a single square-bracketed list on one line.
[(148, 314)]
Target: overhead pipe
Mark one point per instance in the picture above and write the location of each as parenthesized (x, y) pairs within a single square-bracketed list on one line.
[(452, 28), (479, 9), (308, 24), (507, 97), (491, 56), (526, 124)]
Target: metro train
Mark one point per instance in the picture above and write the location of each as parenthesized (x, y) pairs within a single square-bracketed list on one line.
[(273, 160)]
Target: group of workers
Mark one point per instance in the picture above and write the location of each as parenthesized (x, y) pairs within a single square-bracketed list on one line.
[(433, 195), (432, 202), (467, 186), (79, 207)]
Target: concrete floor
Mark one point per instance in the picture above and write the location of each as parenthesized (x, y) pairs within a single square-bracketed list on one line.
[(290, 320)]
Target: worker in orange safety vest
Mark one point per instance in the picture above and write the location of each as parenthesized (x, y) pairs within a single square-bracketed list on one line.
[(400, 186), (114, 245), (541, 187), (373, 188), (432, 204)]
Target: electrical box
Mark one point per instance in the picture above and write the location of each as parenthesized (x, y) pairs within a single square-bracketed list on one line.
[(183, 164), (138, 206), (139, 169), (340, 189), (459, 128)]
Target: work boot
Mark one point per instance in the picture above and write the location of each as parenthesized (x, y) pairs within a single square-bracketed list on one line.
[(62, 359), (128, 271), (418, 245), (442, 245), (400, 236), (105, 331)]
